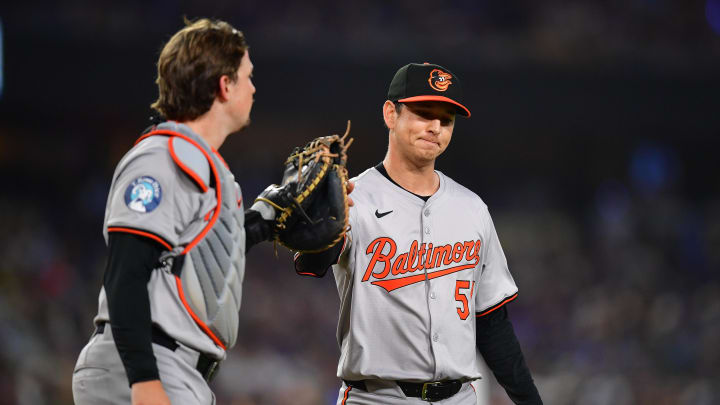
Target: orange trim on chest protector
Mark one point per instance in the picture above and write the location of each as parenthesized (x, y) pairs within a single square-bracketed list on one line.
[(197, 320), (218, 191), (190, 172)]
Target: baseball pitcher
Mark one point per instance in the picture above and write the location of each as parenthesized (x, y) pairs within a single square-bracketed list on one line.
[(422, 277)]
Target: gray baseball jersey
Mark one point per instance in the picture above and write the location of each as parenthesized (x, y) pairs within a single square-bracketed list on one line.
[(161, 190), (412, 277)]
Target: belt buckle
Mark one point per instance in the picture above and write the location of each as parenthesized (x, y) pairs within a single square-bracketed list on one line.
[(423, 393)]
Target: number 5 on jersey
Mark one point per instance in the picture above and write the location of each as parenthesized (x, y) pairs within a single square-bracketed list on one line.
[(462, 299)]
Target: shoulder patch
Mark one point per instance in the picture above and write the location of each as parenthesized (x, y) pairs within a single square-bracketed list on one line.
[(191, 160), (143, 194)]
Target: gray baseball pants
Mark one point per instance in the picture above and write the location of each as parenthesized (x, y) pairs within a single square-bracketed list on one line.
[(99, 377)]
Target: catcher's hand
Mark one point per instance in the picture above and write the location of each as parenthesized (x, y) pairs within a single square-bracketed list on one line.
[(311, 204)]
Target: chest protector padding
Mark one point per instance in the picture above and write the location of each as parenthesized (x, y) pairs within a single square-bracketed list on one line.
[(209, 266)]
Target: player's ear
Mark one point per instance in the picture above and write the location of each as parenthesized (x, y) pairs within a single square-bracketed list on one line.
[(223, 92), (389, 114)]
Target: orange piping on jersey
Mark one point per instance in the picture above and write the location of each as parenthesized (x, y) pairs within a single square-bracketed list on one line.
[(345, 397), (141, 233), (396, 283), (220, 157), (195, 317), (498, 305), (218, 191), (239, 201), (295, 259), (301, 273), (190, 172), (343, 248)]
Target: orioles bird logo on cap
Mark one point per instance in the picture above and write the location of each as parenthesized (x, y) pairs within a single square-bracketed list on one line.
[(439, 80)]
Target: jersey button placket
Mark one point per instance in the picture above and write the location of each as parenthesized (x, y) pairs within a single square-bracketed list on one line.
[(425, 223)]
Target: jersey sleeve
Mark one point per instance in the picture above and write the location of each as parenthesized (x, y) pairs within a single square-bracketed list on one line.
[(495, 284), (344, 261), (348, 240), (142, 199)]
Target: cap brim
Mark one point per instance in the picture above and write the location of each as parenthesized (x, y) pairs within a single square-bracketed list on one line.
[(461, 108)]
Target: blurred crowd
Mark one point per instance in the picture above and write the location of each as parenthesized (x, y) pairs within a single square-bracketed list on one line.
[(592, 140), (505, 32)]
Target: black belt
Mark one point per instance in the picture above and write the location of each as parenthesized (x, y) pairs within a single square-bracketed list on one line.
[(206, 365), (428, 391)]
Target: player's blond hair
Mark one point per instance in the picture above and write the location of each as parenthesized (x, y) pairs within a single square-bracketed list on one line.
[(191, 64)]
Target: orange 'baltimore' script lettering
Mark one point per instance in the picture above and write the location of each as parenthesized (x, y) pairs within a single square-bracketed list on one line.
[(420, 256)]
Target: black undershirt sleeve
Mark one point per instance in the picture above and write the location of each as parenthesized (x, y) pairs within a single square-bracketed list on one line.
[(257, 229), (497, 343), (317, 264), (132, 259)]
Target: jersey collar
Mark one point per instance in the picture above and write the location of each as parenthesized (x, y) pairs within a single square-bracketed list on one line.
[(422, 200)]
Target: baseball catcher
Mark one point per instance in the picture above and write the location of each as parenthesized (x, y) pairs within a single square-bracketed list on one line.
[(309, 209)]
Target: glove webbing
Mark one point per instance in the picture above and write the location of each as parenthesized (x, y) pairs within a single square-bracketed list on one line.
[(301, 197)]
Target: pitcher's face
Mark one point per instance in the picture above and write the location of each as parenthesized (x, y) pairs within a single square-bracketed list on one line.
[(421, 131)]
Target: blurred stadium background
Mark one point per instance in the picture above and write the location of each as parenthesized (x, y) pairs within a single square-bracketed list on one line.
[(594, 140)]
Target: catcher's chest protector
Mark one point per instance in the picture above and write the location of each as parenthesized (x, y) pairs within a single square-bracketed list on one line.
[(209, 270)]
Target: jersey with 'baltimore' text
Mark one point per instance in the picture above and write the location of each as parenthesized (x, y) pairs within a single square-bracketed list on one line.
[(412, 278)]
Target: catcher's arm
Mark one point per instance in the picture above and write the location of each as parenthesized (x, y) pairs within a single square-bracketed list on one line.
[(257, 228)]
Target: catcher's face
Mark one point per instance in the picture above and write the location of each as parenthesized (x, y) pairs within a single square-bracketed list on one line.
[(420, 131), (240, 94)]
